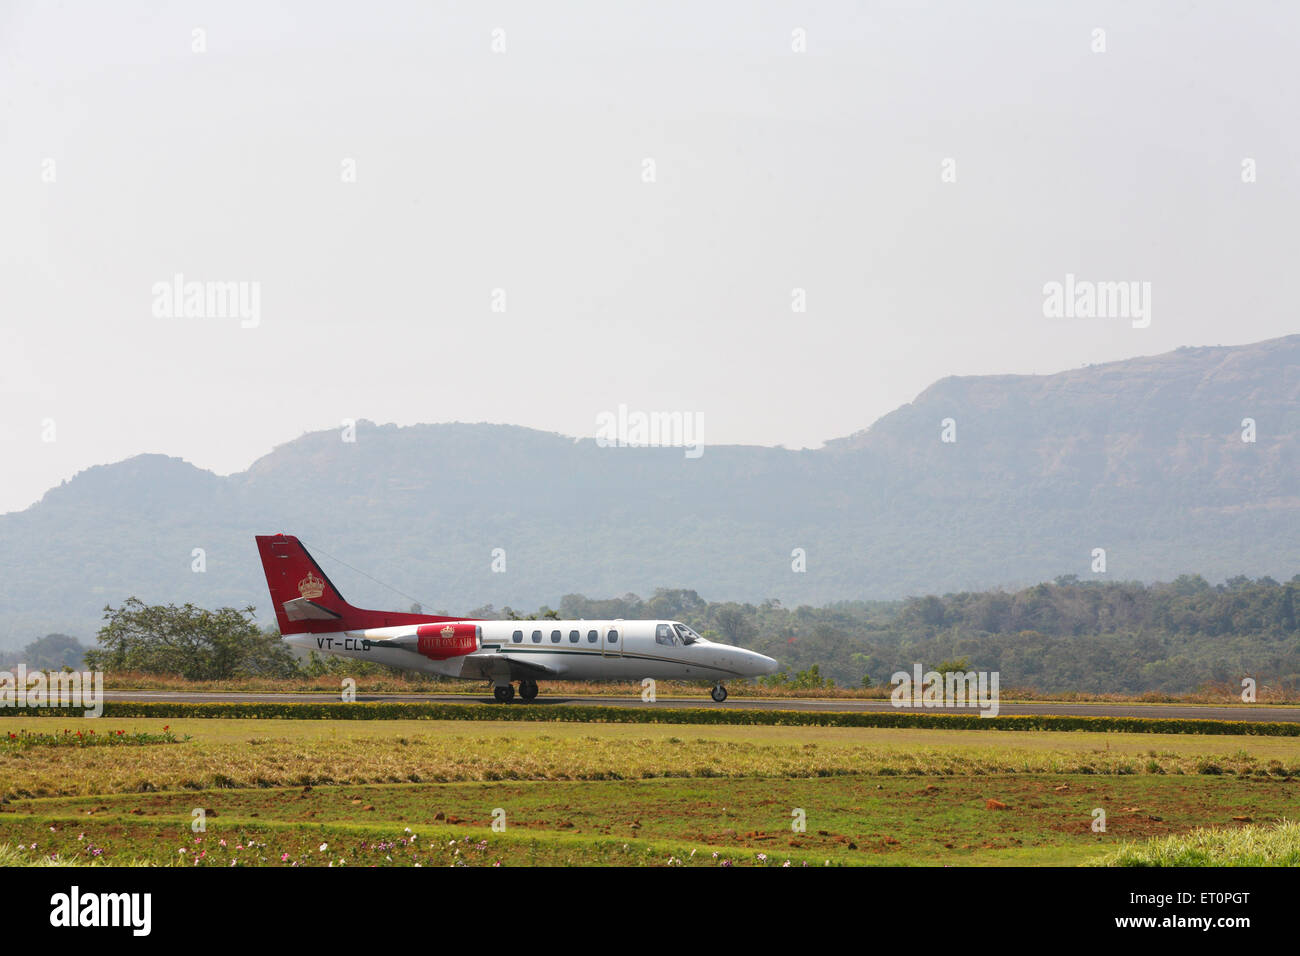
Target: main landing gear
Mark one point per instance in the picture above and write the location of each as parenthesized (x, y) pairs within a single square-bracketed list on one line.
[(719, 693), (505, 693)]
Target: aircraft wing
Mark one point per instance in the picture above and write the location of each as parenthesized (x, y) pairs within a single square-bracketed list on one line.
[(484, 664), (493, 664)]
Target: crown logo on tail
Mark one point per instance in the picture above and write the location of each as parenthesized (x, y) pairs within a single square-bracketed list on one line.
[(311, 586)]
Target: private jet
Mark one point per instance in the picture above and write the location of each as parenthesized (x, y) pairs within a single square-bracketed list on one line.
[(313, 616)]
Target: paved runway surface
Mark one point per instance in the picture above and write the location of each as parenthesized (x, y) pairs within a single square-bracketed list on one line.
[(1175, 711)]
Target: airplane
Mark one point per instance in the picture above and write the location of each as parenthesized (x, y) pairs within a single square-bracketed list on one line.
[(313, 615)]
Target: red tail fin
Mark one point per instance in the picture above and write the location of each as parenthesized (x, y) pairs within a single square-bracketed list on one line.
[(306, 602)]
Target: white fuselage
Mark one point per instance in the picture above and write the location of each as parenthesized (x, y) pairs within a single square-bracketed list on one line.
[(564, 650)]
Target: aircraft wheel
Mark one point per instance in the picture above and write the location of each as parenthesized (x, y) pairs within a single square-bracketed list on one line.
[(719, 693), (504, 693), (528, 689)]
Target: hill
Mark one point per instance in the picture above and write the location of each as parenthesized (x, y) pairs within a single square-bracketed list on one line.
[(1142, 457)]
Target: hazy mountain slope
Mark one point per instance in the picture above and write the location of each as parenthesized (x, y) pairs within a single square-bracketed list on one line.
[(1142, 457)]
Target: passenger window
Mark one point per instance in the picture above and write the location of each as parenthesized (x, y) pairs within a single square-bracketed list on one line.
[(555, 637), (613, 637), (592, 637), (537, 637), (517, 637), (573, 637)]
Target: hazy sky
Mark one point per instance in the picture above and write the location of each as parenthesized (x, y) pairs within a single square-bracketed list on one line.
[(127, 157)]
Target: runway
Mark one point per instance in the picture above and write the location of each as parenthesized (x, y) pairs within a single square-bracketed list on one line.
[(1287, 714)]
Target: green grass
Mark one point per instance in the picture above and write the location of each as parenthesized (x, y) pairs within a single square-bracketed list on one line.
[(598, 794), (25, 739), (597, 714), (22, 856), (1276, 845), (848, 820), (225, 754)]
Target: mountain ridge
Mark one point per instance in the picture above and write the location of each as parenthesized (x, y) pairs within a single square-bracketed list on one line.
[(1140, 456)]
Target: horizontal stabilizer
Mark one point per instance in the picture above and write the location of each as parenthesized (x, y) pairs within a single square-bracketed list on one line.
[(301, 609)]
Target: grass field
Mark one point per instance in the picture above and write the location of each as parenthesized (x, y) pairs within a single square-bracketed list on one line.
[(276, 791), (1276, 845), (385, 681)]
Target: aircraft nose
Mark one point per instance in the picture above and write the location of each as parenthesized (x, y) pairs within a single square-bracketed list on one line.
[(759, 664)]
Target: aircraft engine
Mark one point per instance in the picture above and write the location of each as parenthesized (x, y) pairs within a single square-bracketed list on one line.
[(441, 641)]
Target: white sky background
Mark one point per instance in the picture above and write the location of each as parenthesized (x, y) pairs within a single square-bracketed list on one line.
[(523, 171)]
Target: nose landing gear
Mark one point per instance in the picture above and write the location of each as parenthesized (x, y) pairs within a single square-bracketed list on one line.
[(719, 693)]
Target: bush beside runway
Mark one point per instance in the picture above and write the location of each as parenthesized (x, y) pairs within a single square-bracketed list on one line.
[(702, 715)]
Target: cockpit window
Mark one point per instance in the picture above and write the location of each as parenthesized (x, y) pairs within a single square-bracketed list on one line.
[(664, 634), (686, 634)]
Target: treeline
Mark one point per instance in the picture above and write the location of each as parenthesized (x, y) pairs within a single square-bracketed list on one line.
[(1069, 635), (1099, 637), (1188, 606)]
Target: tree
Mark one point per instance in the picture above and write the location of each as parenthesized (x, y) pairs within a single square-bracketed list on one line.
[(1287, 611), (811, 679), (191, 641), (735, 626), (675, 603), (958, 666), (53, 652), (930, 610)]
